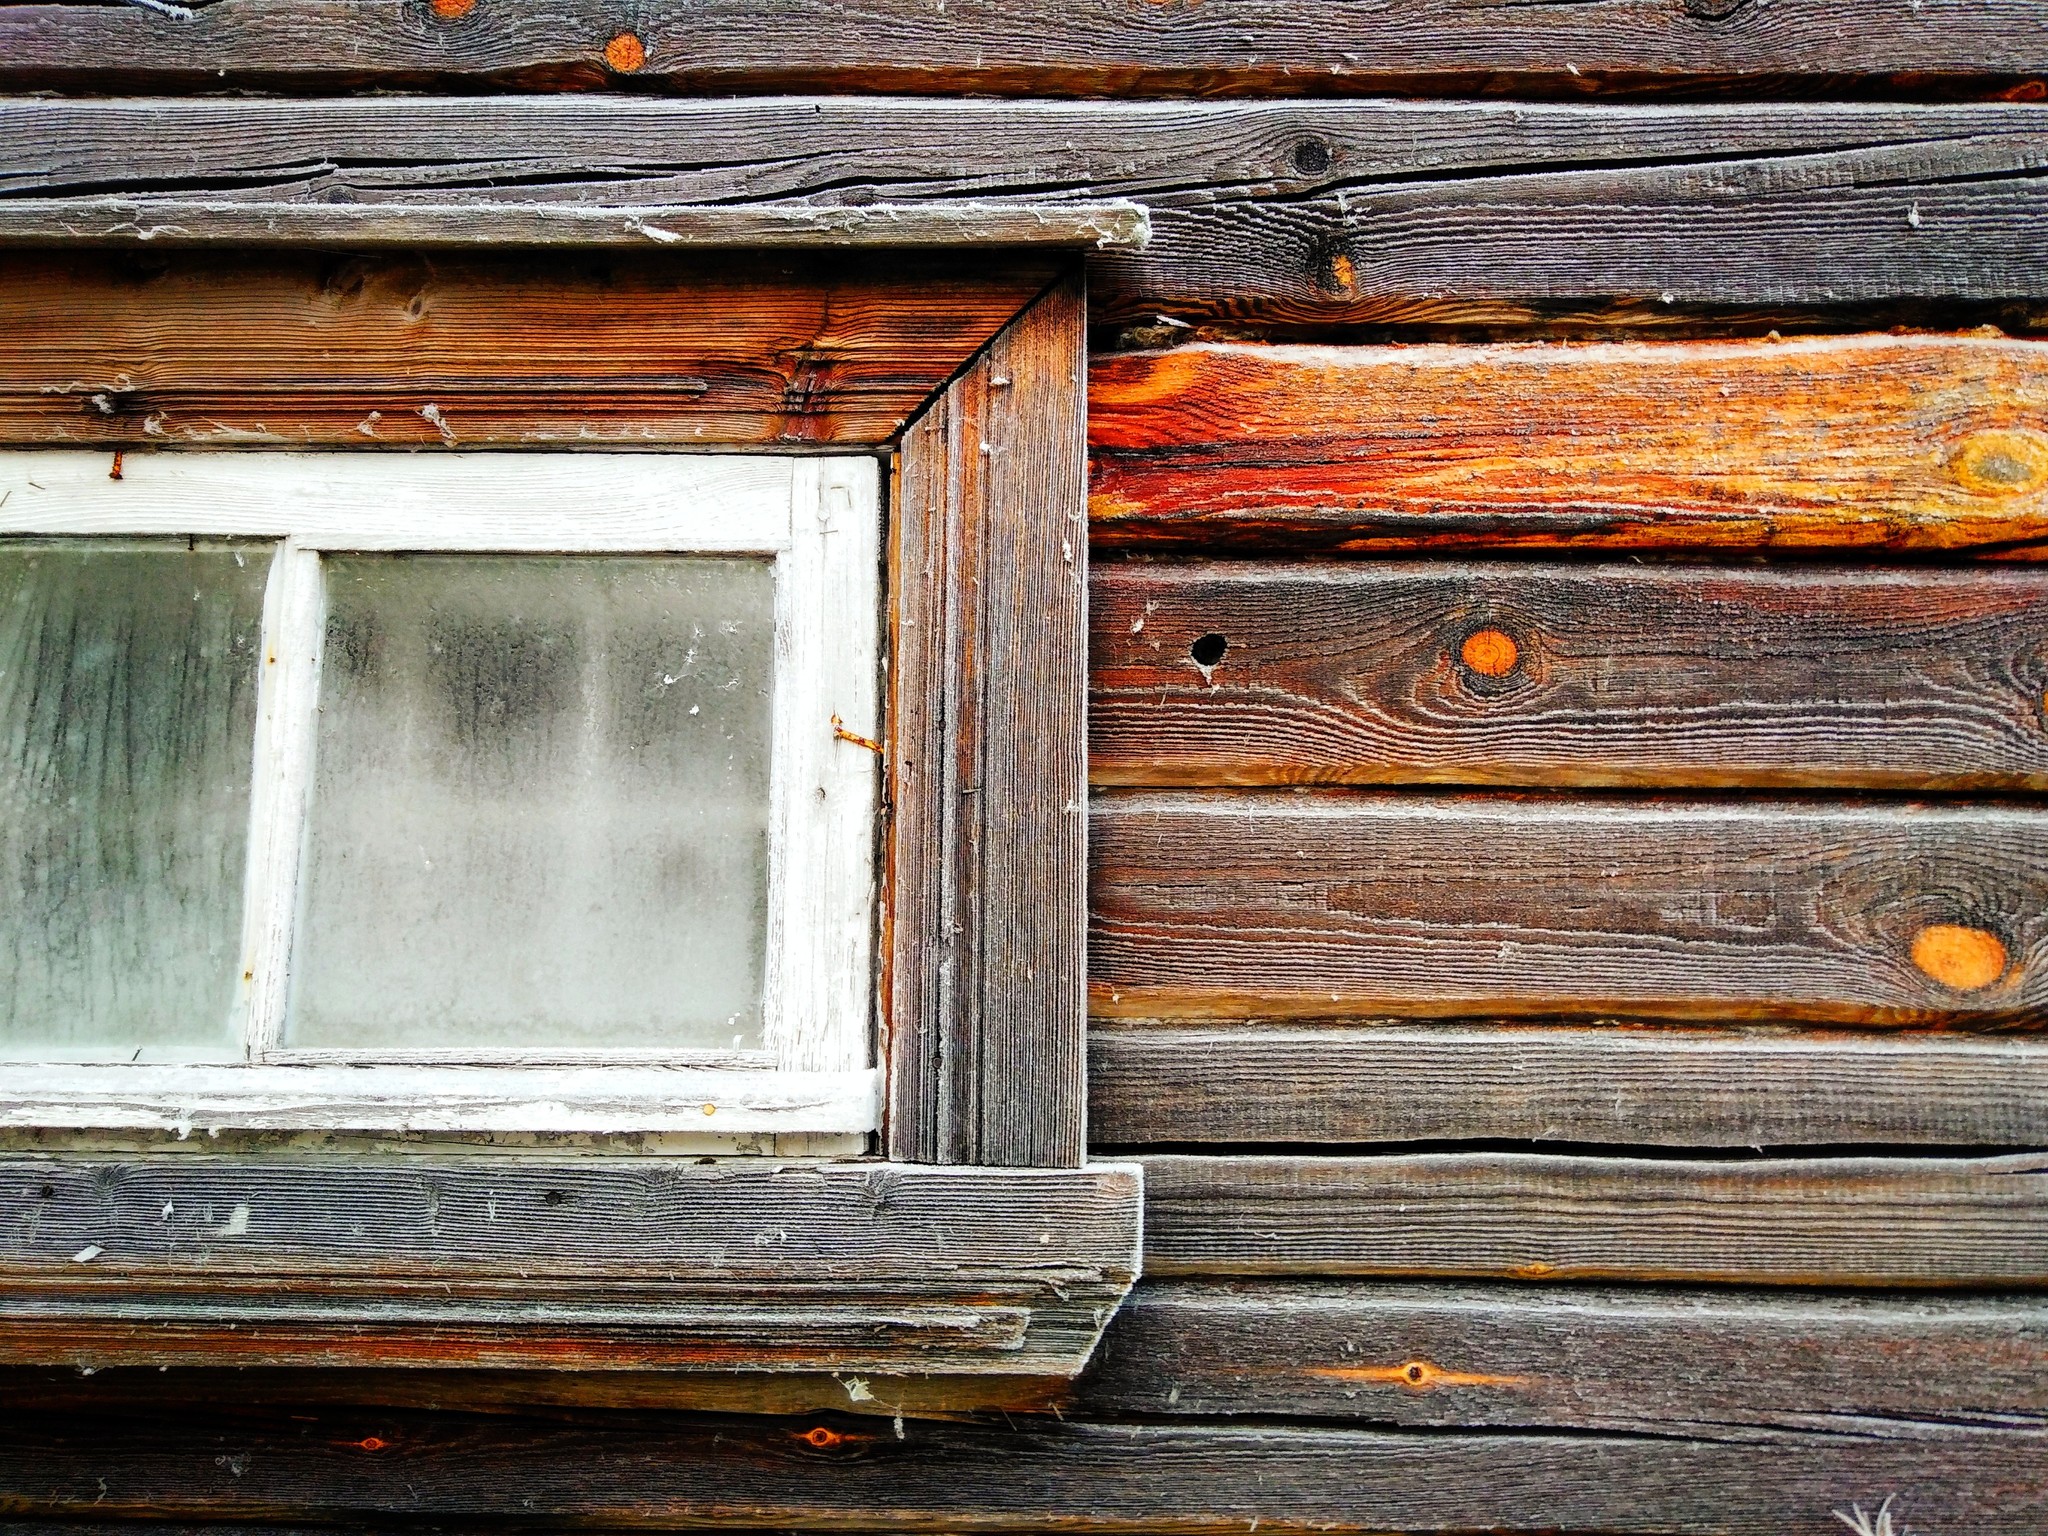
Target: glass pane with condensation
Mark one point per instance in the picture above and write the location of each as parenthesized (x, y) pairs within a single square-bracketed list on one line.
[(128, 680), (540, 805)]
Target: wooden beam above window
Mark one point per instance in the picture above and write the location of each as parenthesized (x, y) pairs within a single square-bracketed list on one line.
[(633, 348)]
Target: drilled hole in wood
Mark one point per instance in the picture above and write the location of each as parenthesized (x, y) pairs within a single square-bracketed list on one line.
[(1208, 650), (555, 1197)]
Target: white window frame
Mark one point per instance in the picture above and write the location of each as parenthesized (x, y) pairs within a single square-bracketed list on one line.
[(819, 518)]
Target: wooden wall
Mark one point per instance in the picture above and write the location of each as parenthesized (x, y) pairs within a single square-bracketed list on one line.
[(1570, 711)]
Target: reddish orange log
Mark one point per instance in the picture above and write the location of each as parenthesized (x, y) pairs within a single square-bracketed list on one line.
[(629, 349), (1887, 442)]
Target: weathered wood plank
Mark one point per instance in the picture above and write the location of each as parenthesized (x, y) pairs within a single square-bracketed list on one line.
[(1289, 213), (1337, 903), (1643, 1359), (514, 1262), (1914, 442), (1870, 1221), (733, 1387), (174, 222), (741, 46), (1625, 1087), (653, 1471), (1513, 673), (620, 349), (988, 757)]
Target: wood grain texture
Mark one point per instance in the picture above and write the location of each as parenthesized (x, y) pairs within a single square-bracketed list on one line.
[(1643, 1359), (667, 1471), (1835, 1221), (1897, 442), (514, 1262), (1297, 214), (176, 223), (1663, 1086), (1338, 903), (1109, 46), (988, 758), (621, 349), (595, 1385), (1610, 675)]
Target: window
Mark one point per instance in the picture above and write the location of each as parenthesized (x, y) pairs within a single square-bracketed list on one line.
[(472, 644), (500, 792)]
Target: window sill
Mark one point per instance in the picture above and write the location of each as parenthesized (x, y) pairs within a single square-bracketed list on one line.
[(515, 1262), (591, 1100)]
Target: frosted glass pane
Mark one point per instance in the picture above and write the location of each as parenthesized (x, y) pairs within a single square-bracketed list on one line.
[(540, 804), (128, 679)]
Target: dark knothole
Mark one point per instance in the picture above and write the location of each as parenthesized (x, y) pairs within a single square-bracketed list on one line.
[(1209, 650), (1311, 157)]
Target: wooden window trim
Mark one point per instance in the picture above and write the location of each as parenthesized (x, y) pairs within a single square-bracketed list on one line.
[(984, 1245)]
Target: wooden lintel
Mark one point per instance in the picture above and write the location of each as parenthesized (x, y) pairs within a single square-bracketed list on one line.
[(631, 347)]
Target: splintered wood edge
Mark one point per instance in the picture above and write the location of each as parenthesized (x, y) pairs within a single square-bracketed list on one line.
[(173, 222)]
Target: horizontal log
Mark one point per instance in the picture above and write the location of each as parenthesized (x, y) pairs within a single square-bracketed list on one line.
[(1647, 1360), (1297, 214), (424, 226), (195, 1258), (1837, 1221), (1896, 442), (596, 1384), (740, 46), (604, 348), (657, 1471), (1513, 673), (1625, 1087), (1502, 1356), (1337, 903)]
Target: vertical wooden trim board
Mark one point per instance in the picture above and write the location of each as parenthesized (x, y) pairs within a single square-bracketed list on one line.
[(989, 564)]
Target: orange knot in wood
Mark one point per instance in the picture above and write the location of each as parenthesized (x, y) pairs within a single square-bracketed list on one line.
[(1490, 653), (1961, 959), (1419, 1374), (369, 1443), (822, 1438), (625, 53), (2001, 462), (452, 10)]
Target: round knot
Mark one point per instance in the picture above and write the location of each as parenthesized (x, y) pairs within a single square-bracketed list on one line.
[(1490, 652)]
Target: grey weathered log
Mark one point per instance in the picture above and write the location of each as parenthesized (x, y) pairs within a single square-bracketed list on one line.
[(987, 854), (1865, 1221), (1035, 47), (1648, 1360), (374, 226), (510, 1261), (1341, 903), (663, 1471), (1616, 674), (1309, 213), (1653, 1085)]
